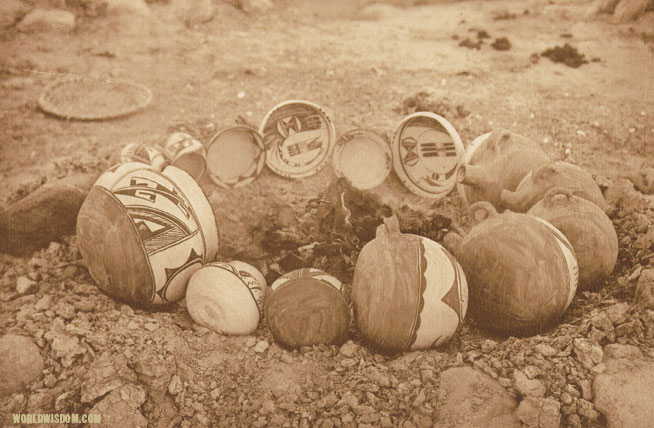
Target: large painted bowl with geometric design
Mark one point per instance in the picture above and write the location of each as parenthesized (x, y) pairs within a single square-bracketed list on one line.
[(142, 233)]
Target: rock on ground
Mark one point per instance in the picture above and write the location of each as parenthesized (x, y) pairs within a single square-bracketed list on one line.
[(121, 408), (471, 398), (47, 20), (645, 289), (45, 215), (540, 412), (623, 393), (105, 374), (20, 363)]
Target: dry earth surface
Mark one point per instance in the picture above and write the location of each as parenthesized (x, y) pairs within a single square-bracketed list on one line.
[(364, 61)]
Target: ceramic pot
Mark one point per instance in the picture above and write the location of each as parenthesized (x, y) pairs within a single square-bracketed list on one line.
[(142, 233), (589, 230), (549, 176), (494, 162), (522, 272)]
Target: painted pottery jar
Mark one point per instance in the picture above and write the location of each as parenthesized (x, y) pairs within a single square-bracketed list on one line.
[(494, 162), (548, 176), (142, 233), (522, 271), (589, 230), (307, 307), (408, 291), (226, 297)]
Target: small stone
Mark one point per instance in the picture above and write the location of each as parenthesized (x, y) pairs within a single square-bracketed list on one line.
[(617, 350), (215, 393), (505, 382), (348, 349), (532, 371), (588, 353), (645, 289), (565, 398), (268, 406), (261, 346), (587, 410), (122, 407), (574, 421), (151, 326), (65, 347), (616, 312), (85, 305), (571, 390), (47, 20), (348, 362), (348, 399), (24, 285), (586, 389), (132, 325), (488, 346), (44, 303), (250, 342), (545, 350), (105, 374), (20, 363), (528, 387), (645, 241), (625, 329), (602, 322), (539, 412), (175, 386)]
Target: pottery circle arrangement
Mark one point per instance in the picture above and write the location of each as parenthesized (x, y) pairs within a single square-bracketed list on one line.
[(148, 234)]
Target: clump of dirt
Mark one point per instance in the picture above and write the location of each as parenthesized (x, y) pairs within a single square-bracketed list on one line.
[(501, 44), (483, 34), (566, 54), (432, 102), (467, 43)]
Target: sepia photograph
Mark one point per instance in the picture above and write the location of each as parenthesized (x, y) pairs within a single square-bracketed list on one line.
[(329, 214)]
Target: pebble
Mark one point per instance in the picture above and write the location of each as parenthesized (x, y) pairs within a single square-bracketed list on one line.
[(586, 389), (250, 342), (588, 353), (526, 386), (645, 289), (151, 326), (24, 285), (261, 346), (20, 363), (586, 409), (175, 386), (617, 350), (348, 349), (132, 325), (545, 350), (488, 346), (540, 412)]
